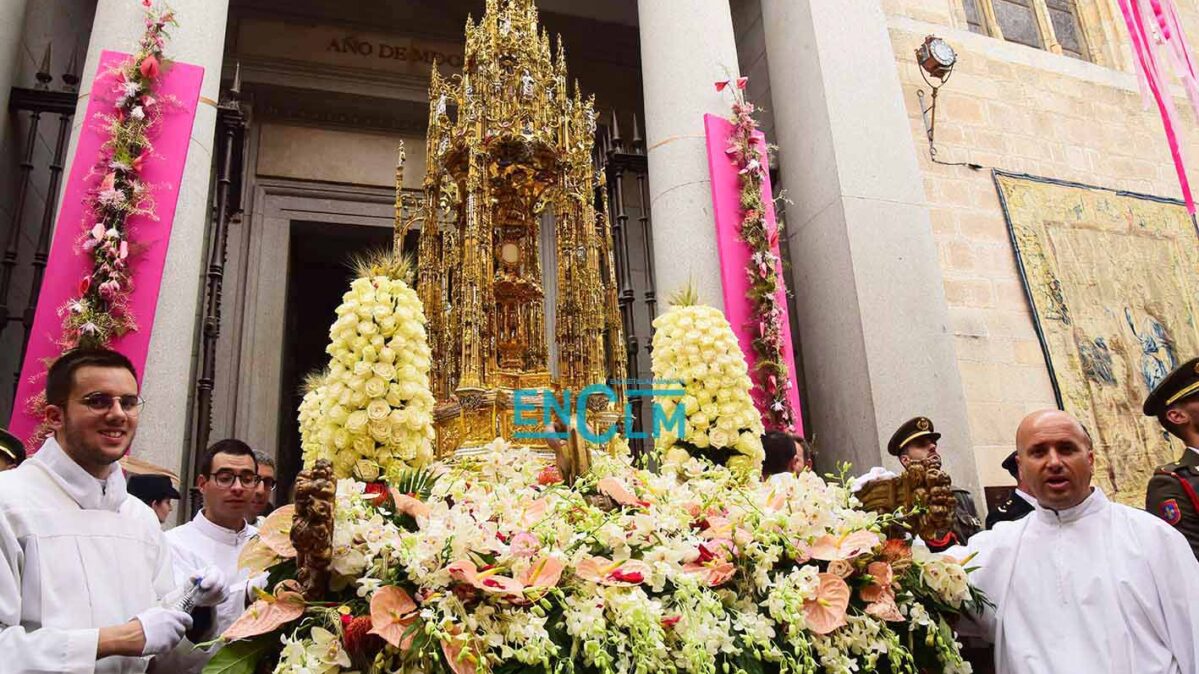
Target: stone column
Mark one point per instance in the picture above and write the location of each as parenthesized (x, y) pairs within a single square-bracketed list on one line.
[(877, 344), (167, 381), (686, 46), (12, 22)]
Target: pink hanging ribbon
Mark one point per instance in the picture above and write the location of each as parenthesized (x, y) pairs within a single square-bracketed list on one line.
[(1165, 17)]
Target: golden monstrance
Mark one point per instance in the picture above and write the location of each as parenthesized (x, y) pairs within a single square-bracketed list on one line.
[(510, 173)]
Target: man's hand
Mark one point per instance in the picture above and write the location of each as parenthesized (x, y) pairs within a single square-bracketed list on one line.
[(163, 629), (211, 584)]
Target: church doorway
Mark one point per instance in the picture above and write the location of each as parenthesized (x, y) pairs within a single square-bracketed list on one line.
[(320, 268)]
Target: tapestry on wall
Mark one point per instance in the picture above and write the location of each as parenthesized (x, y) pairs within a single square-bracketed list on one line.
[(1113, 281)]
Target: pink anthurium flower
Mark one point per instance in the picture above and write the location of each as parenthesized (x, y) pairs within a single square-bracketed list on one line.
[(461, 660), (392, 611), (826, 611), (268, 613), (617, 491), (408, 505), (488, 580), (276, 531), (847, 546), (543, 574), (713, 572), (604, 571)]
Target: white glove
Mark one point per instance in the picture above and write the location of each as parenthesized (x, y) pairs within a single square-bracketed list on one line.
[(163, 628), (211, 583)]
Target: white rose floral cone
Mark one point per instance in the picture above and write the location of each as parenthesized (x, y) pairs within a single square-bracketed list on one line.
[(694, 346), (370, 413)]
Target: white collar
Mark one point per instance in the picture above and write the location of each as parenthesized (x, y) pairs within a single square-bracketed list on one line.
[(1032, 500), (1193, 449), (90, 492), (1096, 502), (219, 533)]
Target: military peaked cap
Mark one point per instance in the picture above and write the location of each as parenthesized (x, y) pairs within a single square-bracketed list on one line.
[(909, 431), (1180, 384)]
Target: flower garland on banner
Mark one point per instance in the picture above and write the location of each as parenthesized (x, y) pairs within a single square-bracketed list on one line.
[(770, 368), (100, 313), (493, 565)]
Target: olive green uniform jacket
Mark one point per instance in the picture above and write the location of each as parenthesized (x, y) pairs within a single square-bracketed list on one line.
[(1173, 495)]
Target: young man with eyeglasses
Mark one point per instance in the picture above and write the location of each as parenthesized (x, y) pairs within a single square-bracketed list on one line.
[(86, 582), (227, 480), (260, 502)]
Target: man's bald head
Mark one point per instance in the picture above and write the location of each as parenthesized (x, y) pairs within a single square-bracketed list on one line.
[(1051, 417), (1054, 452)]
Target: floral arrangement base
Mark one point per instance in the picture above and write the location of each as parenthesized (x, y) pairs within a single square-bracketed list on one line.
[(495, 565)]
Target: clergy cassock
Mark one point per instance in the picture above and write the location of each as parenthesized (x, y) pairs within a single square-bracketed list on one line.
[(76, 554), (1099, 588), (195, 546)]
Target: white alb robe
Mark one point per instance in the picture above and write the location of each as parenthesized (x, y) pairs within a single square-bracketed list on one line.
[(1099, 588), (195, 546), (76, 554)]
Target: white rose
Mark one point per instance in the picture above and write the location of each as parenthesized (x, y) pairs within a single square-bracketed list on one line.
[(365, 446), (356, 422), (718, 437), (378, 410), (384, 370), (380, 431), (375, 387)]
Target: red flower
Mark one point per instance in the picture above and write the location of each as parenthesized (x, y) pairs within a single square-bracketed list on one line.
[(85, 284), (378, 492), (627, 576), (145, 3), (549, 475), (149, 67), (357, 638)]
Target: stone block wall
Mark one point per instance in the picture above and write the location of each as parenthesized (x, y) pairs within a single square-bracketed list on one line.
[(1024, 110)]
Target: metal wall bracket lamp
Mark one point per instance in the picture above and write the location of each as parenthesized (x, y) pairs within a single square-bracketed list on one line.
[(936, 60)]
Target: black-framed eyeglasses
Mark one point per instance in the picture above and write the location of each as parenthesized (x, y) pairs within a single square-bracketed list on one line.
[(268, 482), (102, 402), (225, 478)]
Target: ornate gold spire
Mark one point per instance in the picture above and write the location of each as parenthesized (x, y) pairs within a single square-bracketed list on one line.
[(509, 153)]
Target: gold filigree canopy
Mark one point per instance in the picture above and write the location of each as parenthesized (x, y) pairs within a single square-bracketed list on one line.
[(510, 153)]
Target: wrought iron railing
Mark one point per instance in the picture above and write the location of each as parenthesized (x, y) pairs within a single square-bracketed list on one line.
[(228, 171), (619, 159), (32, 105)]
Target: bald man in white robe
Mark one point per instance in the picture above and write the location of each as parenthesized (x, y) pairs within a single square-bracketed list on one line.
[(1083, 584)]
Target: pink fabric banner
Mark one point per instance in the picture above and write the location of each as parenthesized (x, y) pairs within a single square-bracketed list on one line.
[(179, 91), (1168, 30), (735, 254)]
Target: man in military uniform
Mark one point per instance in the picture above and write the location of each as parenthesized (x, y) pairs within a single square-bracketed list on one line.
[(1019, 504), (916, 440), (1173, 493)]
